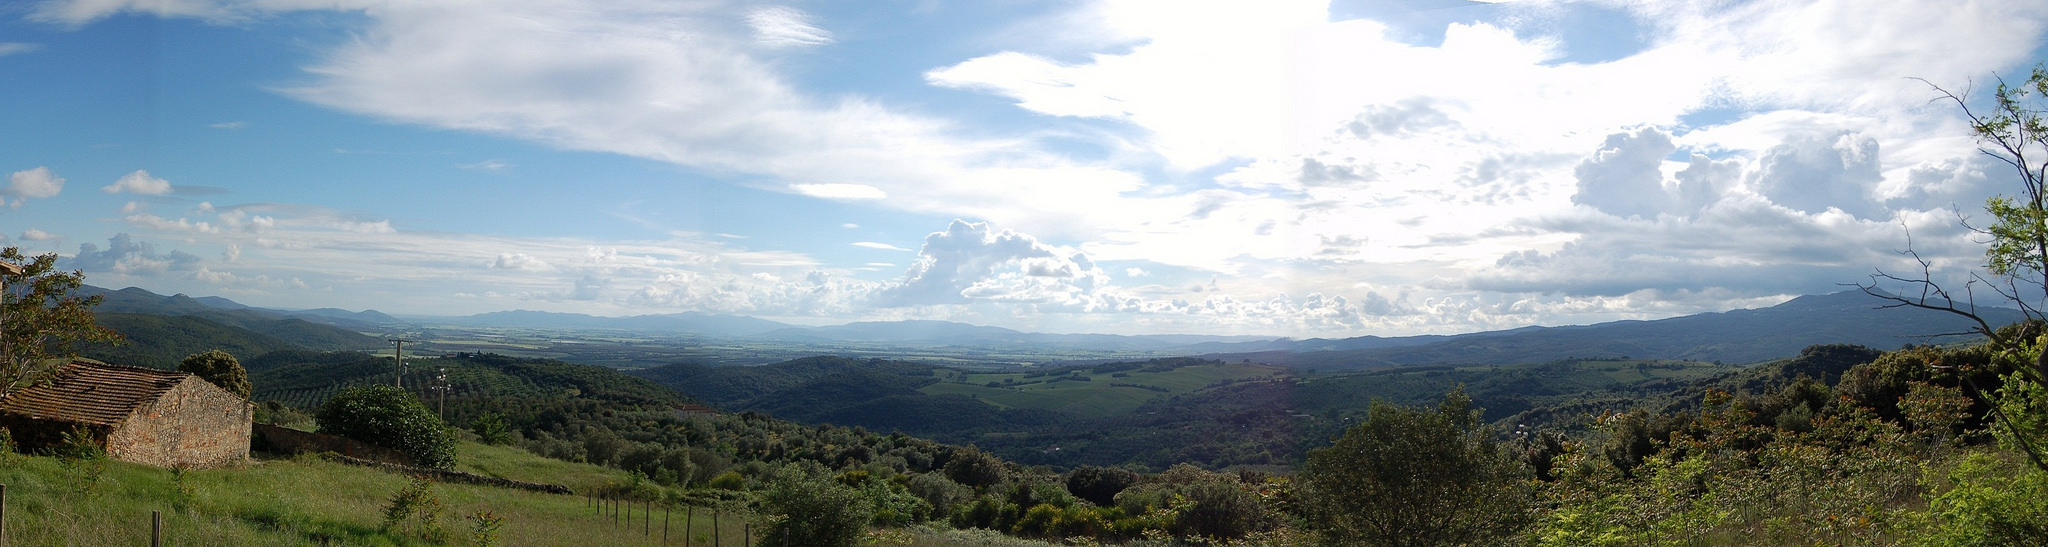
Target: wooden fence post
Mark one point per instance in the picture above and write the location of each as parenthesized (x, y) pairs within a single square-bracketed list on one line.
[(647, 519), (3, 514), (689, 519), (156, 529), (664, 523), (715, 539)]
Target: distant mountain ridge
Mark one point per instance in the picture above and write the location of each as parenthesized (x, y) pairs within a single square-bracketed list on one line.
[(685, 322), (1734, 337), (181, 323)]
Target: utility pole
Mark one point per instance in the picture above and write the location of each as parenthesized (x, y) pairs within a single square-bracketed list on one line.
[(441, 383), (398, 363)]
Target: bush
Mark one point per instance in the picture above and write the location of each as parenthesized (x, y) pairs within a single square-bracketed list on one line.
[(416, 507), (390, 417)]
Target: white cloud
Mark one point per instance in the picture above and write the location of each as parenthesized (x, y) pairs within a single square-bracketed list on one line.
[(839, 191), (1625, 177), (33, 234), (519, 261), (229, 125), (13, 48), (139, 182), (488, 166), (971, 261), (878, 245), (126, 256), (785, 27), (1259, 159), (32, 183)]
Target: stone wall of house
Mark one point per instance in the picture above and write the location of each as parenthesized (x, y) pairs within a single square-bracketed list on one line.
[(193, 425)]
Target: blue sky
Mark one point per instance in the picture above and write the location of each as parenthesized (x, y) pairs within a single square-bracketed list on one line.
[(1293, 168)]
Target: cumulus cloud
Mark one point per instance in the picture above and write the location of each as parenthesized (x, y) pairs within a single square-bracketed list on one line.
[(124, 255), (971, 261), (32, 183), (1812, 173), (33, 234), (1625, 177), (139, 182)]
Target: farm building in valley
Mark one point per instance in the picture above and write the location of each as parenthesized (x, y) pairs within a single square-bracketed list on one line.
[(141, 415)]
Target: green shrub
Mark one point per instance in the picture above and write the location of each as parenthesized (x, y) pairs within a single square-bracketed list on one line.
[(730, 480), (1990, 502), (483, 527), (416, 507), (390, 417)]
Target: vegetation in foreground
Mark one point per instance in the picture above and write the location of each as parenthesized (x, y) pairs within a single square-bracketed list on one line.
[(306, 500)]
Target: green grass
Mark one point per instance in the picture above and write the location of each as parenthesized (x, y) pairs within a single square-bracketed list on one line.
[(307, 500)]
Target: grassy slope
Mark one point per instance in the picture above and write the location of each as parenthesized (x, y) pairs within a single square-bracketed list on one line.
[(307, 500)]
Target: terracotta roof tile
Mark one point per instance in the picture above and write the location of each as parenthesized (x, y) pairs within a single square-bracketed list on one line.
[(92, 393)]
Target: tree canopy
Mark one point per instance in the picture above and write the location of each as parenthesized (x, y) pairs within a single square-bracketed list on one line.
[(220, 368), (388, 416), (42, 319), (1415, 476)]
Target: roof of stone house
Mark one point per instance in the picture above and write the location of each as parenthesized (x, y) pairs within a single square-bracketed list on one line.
[(92, 392)]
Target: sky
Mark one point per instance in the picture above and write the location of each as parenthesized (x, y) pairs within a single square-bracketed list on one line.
[(1274, 167)]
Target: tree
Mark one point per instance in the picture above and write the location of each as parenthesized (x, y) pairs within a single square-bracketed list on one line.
[(813, 509), (1099, 485), (973, 467), (388, 416), (2013, 131), (41, 319), (1414, 476), (219, 368)]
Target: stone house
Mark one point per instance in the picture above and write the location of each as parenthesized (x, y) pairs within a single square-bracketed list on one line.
[(141, 415)]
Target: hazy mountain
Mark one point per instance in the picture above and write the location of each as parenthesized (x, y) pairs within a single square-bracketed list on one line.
[(684, 323), (947, 333), (1738, 336)]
